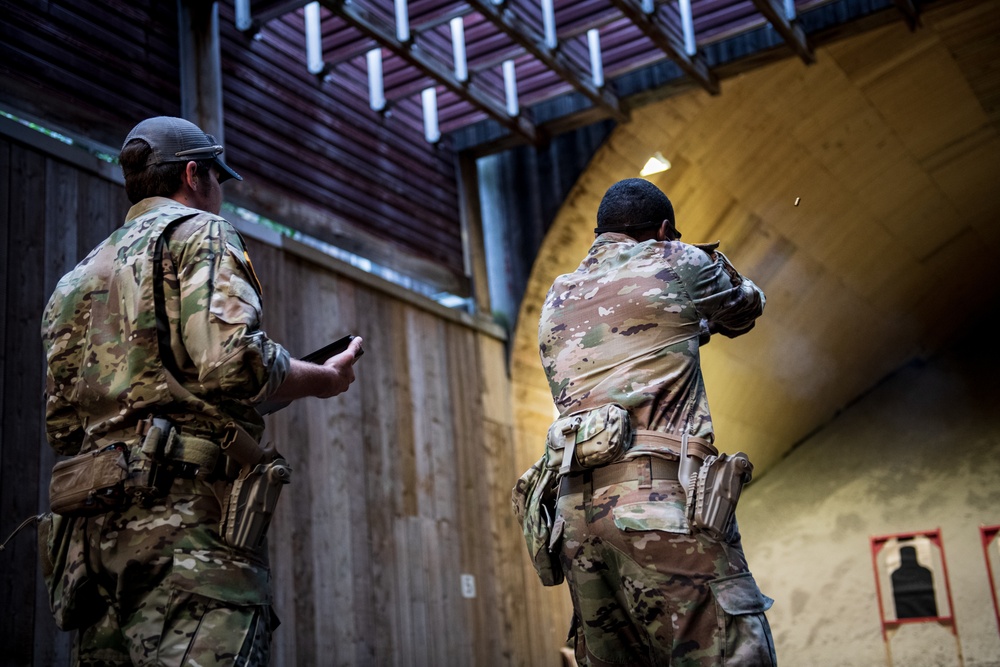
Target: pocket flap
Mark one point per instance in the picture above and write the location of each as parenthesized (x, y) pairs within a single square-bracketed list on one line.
[(666, 515), (220, 576), (739, 594)]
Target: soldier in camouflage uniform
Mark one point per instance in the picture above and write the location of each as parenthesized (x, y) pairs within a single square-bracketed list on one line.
[(626, 328), (152, 582)]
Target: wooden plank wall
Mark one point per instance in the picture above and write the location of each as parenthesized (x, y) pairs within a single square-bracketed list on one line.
[(399, 487), (53, 212)]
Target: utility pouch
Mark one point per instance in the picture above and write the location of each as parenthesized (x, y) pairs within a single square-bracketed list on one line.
[(534, 502), (91, 483), (251, 504), (588, 439), (714, 491)]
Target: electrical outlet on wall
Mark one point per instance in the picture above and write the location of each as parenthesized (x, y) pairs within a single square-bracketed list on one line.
[(468, 586)]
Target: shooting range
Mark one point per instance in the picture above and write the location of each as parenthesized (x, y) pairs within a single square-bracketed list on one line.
[(419, 172)]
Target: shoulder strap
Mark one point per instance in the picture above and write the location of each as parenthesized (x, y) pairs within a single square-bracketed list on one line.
[(162, 322)]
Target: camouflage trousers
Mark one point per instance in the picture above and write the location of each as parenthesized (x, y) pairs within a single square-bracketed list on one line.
[(647, 592), (157, 586)]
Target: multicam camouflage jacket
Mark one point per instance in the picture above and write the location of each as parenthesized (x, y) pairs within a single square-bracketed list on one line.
[(626, 326), (99, 330)]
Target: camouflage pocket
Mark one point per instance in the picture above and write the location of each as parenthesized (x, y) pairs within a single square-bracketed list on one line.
[(220, 575), (747, 636), (666, 515), (234, 301), (738, 594), (212, 605)]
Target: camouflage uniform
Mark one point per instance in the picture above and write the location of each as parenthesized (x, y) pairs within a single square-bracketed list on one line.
[(626, 328), (156, 584)]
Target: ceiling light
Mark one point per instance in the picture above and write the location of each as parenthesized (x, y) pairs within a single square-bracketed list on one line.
[(655, 165)]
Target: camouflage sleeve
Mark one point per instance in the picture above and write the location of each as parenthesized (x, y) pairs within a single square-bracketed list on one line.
[(728, 302), (220, 313)]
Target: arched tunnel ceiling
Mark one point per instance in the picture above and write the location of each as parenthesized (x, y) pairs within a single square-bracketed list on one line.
[(889, 145)]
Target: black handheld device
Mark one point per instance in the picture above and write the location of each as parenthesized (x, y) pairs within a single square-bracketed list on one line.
[(331, 350)]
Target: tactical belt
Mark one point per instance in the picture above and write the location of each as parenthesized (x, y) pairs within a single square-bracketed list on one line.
[(661, 450), (196, 456), (617, 473), (646, 441)]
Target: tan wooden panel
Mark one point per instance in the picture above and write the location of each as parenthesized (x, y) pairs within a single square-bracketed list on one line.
[(969, 29), (943, 101), (969, 180), (383, 382), (403, 485)]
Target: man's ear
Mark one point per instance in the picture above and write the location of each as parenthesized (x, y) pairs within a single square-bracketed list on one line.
[(664, 232), (190, 177)]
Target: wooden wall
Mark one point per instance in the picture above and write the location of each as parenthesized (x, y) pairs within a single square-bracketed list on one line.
[(399, 486), (51, 213)]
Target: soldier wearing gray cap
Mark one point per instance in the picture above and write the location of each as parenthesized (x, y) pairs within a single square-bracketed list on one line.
[(156, 361), (178, 140)]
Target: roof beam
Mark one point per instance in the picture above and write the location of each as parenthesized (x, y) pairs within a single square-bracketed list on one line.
[(515, 28), (262, 11), (910, 13), (411, 53), (694, 66), (790, 31)]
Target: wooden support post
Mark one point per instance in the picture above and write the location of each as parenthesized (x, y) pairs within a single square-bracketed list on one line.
[(200, 66), (474, 246)]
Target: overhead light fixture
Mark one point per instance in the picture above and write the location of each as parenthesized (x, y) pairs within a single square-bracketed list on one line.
[(655, 165)]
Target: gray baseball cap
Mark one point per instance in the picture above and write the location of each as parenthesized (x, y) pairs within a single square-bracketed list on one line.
[(178, 140)]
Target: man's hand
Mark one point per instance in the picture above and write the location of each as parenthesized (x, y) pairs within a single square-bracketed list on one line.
[(330, 378), (342, 366)]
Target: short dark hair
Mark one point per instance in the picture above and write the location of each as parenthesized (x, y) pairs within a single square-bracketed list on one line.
[(153, 180), (633, 204)]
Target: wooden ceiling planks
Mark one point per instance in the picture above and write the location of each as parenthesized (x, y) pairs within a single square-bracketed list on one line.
[(513, 30), (370, 170)]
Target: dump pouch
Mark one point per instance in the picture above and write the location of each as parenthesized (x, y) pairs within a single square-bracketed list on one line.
[(74, 599), (534, 502), (90, 483), (713, 493), (588, 439)]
